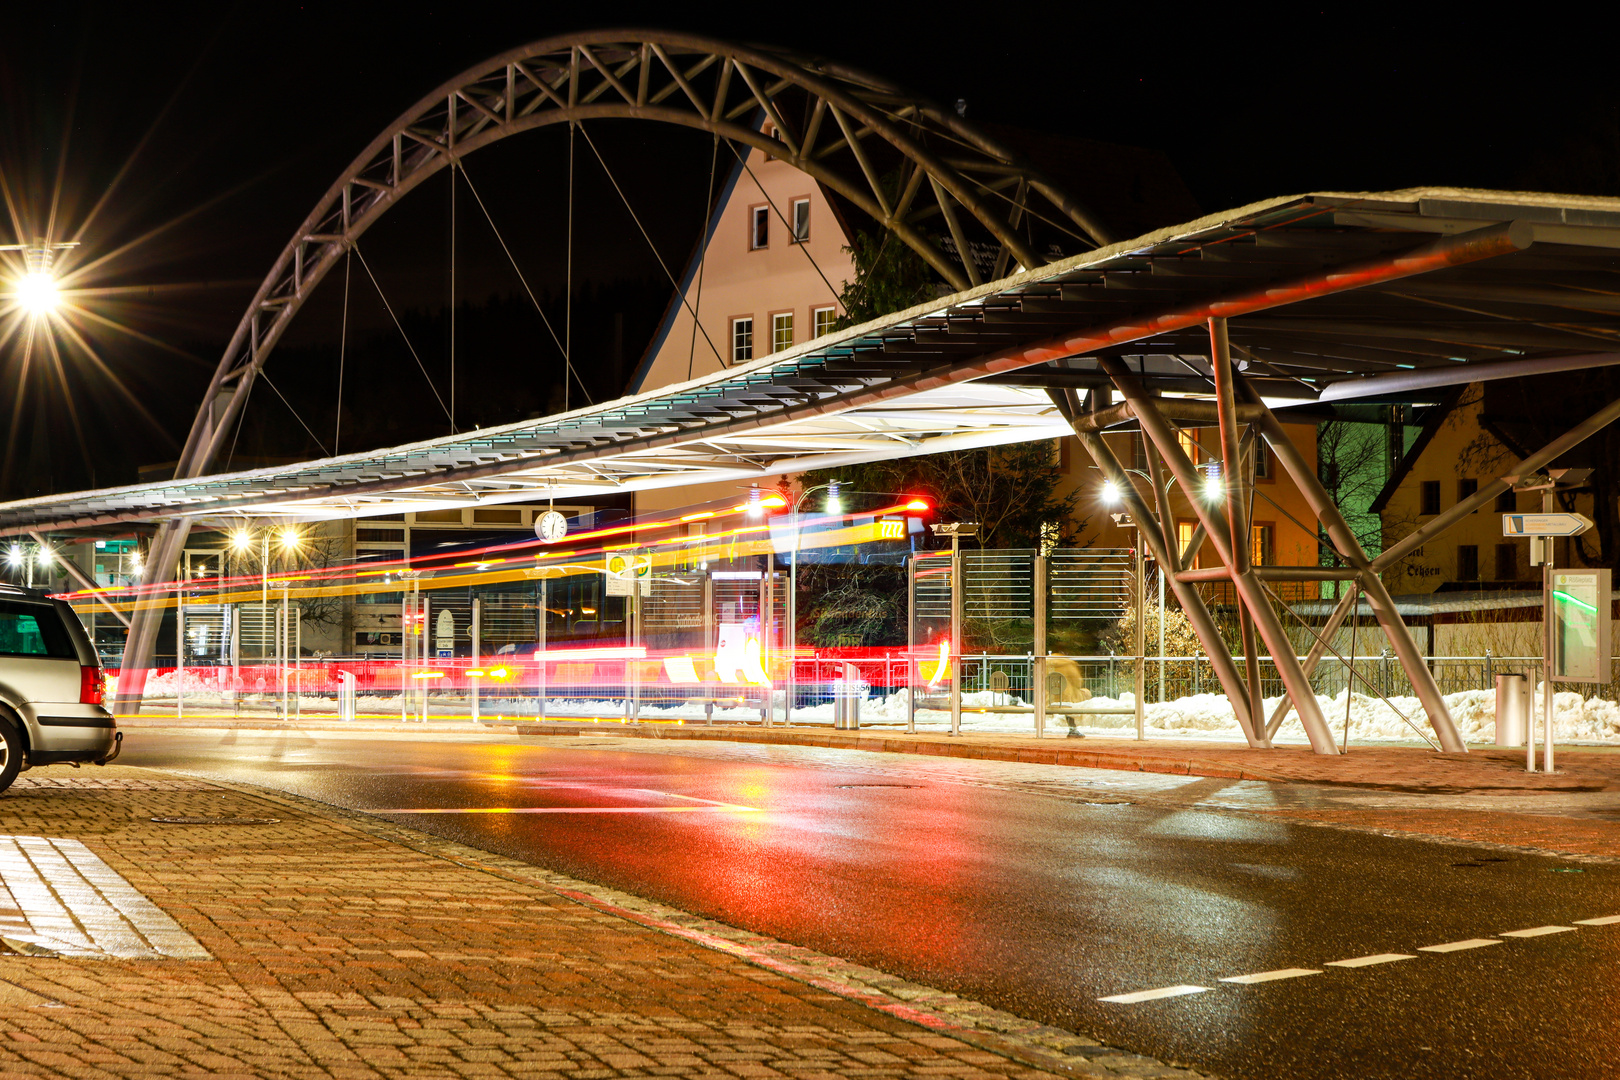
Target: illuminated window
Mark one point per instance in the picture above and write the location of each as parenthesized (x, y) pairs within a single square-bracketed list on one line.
[(759, 227), (823, 319), (1260, 545), (782, 331), (742, 340), (1184, 535), (1188, 439), (801, 220)]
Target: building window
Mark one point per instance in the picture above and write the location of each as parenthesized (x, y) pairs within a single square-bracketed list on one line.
[(1261, 551), (823, 319), (759, 227), (742, 340), (1467, 562), (1467, 488), (1184, 535), (782, 331), (1429, 497), (1507, 562), (1188, 439), (1507, 502), (1262, 461), (801, 220)]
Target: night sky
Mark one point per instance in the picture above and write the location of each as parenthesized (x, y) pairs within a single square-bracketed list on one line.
[(205, 133)]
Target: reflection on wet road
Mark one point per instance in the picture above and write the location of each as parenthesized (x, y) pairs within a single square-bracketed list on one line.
[(1242, 945)]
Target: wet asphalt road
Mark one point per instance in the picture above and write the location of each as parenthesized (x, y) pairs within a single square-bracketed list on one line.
[(1034, 904)]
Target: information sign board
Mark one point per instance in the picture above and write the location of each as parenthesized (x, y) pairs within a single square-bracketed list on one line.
[(1580, 612), (1550, 524)]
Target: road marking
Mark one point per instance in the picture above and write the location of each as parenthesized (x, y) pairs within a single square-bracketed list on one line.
[(1539, 931), (1272, 976), (57, 897), (1153, 995), (1607, 920), (723, 807), (1369, 961), (1459, 946)]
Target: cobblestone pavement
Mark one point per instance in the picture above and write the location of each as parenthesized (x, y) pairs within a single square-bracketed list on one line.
[(343, 946)]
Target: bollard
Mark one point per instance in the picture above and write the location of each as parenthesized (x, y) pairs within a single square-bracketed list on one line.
[(1512, 710), (848, 690), (346, 695)]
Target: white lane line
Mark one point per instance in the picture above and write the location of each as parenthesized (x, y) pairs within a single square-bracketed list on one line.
[(1539, 931), (1153, 995), (1369, 961), (1272, 976), (1459, 946), (1607, 920), (721, 808)]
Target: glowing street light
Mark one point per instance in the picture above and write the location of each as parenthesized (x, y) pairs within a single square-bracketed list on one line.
[(289, 538), (15, 556), (241, 540), (1214, 486), (36, 292), (1110, 492)]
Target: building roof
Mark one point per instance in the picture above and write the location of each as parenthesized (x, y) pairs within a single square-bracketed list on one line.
[(1344, 292)]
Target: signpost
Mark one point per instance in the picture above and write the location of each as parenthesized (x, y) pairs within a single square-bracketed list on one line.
[(1575, 612)]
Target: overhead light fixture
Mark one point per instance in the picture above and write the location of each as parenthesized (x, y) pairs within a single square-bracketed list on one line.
[(1110, 492)]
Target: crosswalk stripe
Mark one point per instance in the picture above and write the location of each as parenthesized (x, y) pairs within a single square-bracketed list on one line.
[(1539, 931)]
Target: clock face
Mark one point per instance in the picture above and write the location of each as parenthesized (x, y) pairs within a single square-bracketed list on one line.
[(551, 527)]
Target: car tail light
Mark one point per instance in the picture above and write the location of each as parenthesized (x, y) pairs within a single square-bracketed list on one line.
[(91, 691)]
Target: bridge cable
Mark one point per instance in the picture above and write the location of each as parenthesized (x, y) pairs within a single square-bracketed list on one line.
[(664, 266), (294, 411), (389, 308), (343, 348), (452, 296), (803, 246), (525, 283), (568, 286), (703, 254)]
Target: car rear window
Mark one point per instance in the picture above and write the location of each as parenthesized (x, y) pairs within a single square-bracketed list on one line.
[(33, 630)]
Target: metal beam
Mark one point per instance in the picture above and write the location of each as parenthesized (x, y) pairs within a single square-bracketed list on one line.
[(1399, 382), (1378, 597)]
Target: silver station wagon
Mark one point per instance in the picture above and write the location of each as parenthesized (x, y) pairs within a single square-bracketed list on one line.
[(51, 709)]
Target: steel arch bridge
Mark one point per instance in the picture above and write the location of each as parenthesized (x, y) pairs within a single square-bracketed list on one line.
[(849, 131)]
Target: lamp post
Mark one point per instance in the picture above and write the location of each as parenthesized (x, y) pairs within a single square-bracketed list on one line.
[(1212, 493), (241, 543)]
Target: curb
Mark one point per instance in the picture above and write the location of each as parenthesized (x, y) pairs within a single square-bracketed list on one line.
[(1176, 761)]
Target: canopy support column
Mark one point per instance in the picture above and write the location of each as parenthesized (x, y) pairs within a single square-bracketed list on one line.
[(145, 620), (1251, 593), (1154, 536), (1378, 598)]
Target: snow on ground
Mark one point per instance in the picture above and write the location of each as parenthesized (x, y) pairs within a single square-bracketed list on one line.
[(1576, 718)]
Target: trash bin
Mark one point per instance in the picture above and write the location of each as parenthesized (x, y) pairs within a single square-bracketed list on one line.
[(848, 689), (1512, 709)]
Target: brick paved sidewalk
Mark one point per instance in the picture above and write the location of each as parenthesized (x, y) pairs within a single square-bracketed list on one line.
[(346, 947)]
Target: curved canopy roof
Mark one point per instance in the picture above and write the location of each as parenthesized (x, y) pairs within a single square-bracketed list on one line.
[(1329, 296)]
